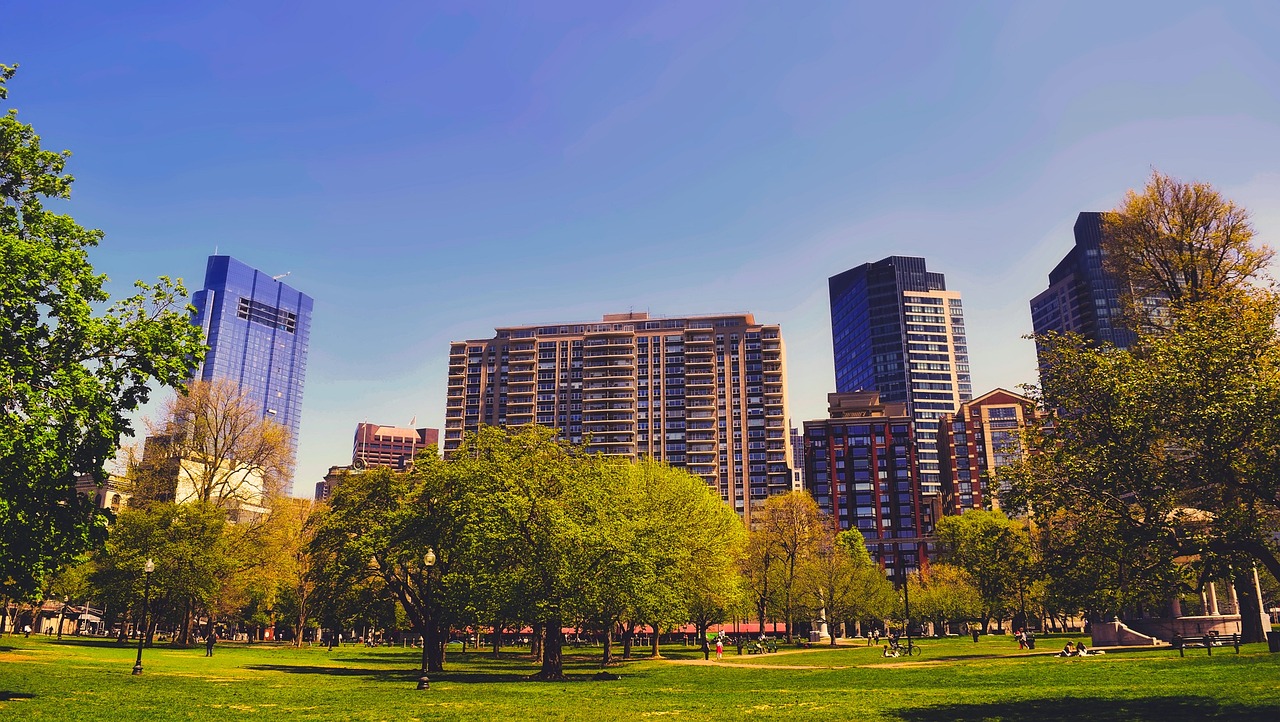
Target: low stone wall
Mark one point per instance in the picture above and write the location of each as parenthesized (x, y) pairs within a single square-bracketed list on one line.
[(1117, 634), (1222, 624)]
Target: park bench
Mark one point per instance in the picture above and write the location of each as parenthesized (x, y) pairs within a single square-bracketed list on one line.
[(763, 647), (1208, 641), (755, 648)]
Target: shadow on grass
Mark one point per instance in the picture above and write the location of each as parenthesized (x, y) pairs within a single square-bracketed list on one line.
[(1152, 709), (6, 696), (402, 675)]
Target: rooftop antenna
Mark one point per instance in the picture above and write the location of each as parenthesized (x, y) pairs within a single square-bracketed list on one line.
[(282, 275)]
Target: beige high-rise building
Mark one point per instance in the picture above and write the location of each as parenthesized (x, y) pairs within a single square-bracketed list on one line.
[(707, 393)]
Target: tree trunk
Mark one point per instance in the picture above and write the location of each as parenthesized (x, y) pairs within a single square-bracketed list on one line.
[(552, 652), (789, 615), (497, 638), (535, 643), (1250, 615), (431, 647), (628, 636), (442, 646), (606, 657), (657, 636)]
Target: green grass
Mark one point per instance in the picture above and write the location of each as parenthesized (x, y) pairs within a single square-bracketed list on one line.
[(42, 679)]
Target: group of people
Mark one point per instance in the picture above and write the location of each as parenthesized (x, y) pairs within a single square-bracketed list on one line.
[(1026, 640), (1079, 650), (706, 648)]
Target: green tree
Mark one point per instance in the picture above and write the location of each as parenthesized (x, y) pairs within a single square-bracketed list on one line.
[(189, 546), (399, 535), (943, 593), (840, 583), (1168, 450), (550, 517), (995, 551), (70, 374), (793, 526)]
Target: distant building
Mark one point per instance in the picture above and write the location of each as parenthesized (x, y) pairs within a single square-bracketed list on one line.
[(258, 330), (860, 466), (114, 494), (982, 436), (706, 393), (896, 329), (324, 488), (797, 457), (1082, 296), (167, 475), (392, 446)]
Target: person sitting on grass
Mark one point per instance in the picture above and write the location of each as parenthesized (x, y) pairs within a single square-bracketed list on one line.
[(1067, 650), (1083, 651)]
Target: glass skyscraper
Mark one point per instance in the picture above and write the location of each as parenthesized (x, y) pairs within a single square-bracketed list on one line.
[(1082, 296), (258, 330), (896, 329)]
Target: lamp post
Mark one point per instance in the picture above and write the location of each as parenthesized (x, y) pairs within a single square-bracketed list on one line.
[(428, 561), (906, 594), (146, 612)]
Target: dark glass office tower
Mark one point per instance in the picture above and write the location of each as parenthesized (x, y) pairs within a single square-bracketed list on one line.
[(1082, 297), (258, 330), (896, 329)]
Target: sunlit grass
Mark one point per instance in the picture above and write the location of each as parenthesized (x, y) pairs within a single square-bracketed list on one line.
[(42, 679)]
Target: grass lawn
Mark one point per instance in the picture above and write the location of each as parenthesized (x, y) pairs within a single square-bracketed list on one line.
[(41, 679)]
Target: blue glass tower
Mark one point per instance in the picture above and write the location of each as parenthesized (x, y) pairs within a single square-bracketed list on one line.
[(258, 330), (1082, 296), (896, 329)]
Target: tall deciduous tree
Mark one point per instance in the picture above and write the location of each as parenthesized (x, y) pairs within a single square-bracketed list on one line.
[(1168, 450), (70, 375), (1182, 242), (219, 450), (995, 551), (792, 524), (839, 582), (944, 593)]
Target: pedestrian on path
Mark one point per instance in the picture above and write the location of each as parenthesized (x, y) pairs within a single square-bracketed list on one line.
[(209, 641), (719, 648)]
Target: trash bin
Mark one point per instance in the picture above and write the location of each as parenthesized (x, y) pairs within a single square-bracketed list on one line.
[(815, 636), (1273, 641)]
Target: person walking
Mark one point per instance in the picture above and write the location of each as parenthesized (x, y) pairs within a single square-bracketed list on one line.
[(706, 649), (209, 641), (719, 648), (974, 630)]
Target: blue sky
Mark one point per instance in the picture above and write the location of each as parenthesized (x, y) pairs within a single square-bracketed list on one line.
[(428, 171)]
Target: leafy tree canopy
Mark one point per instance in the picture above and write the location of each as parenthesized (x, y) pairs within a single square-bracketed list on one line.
[(70, 372)]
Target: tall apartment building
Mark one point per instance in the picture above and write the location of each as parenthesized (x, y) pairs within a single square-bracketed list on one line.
[(258, 330), (1083, 297), (707, 393), (982, 436), (860, 466), (896, 329), (393, 446)]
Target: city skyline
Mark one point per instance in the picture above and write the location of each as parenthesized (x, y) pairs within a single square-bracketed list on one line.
[(459, 169)]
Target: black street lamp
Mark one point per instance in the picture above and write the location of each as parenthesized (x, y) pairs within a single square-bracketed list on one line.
[(146, 613), (428, 561), (906, 593)]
